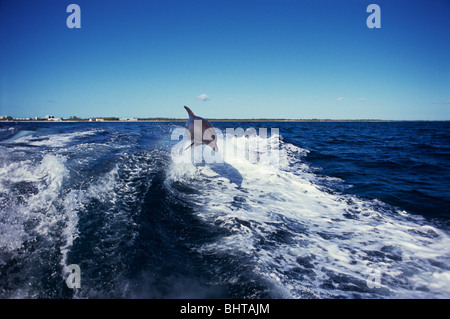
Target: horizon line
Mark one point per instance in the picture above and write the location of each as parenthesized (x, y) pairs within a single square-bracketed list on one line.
[(169, 119)]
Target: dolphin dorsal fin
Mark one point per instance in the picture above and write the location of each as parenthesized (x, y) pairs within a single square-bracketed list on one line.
[(191, 114)]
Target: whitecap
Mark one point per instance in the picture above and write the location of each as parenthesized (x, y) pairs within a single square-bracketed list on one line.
[(280, 216)]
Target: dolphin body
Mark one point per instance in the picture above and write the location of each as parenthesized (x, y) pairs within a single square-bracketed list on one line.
[(200, 131)]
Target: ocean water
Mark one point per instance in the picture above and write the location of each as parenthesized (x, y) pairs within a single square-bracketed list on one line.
[(322, 210)]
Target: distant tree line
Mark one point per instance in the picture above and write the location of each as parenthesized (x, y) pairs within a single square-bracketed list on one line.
[(76, 118)]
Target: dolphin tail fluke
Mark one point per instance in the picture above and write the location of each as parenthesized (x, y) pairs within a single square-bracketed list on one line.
[(191, 114)]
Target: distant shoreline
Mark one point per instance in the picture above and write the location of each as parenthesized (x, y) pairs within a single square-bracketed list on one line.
[(211, 120)]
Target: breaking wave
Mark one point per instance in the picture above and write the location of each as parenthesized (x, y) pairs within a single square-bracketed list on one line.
[(144, 218)]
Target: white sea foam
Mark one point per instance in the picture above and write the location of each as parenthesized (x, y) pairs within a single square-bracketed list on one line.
[(35, 138), (34, 218), (303, 239), (44, 196), (311, 241)]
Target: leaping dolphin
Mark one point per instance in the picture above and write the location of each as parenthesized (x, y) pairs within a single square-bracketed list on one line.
[(200, 131)]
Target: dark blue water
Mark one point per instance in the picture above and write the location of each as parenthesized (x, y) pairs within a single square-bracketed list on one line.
[(405, 164), (328, 210)]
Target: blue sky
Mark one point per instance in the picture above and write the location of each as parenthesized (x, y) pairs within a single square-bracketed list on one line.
[(226, 59)]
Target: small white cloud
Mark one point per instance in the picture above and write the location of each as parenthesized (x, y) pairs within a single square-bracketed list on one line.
[(203, 97), (361, 99), (340, 99)]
